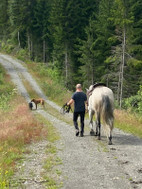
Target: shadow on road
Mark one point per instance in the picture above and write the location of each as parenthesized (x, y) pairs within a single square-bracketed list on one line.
[(125, 139)]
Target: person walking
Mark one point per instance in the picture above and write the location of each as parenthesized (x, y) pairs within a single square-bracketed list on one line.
[(78, 98)]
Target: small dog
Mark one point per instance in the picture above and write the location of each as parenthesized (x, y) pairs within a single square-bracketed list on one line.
[(30, 105), (38, 101)]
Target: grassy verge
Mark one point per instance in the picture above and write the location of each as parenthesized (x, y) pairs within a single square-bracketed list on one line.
[(128, 122), (7, 90), (17, 128), (52, 172)]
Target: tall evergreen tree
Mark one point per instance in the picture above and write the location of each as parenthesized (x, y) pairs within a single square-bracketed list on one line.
[(68, 20), (135, 46), (4, 20), (97, 43), (21, 16), (122, 20), (41, 28), (88, 41)]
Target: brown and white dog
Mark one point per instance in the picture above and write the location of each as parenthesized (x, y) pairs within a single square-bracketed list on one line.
[(38, 101)]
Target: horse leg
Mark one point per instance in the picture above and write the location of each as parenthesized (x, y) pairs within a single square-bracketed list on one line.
[(98, 126), (96, 133), (110, 139), (92, 133)]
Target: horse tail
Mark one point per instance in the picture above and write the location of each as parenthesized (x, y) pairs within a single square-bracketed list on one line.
[(107, 115)]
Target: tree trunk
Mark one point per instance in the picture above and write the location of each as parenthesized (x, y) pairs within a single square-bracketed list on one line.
[(66, 66), (19, 39), (92, 72), (44, 51), (32, 55), (30, 46), (123, 63), (118, 89)]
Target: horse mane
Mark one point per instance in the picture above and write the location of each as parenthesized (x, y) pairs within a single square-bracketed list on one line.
[(95, 86), (98, 85)]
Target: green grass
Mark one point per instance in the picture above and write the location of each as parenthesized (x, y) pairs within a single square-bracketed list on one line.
[(6, 90), (18, 127), (52, 161), (102, 146), (128, 122)]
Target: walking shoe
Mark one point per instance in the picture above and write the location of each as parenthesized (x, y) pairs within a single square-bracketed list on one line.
[(81, 134), (77, 133)]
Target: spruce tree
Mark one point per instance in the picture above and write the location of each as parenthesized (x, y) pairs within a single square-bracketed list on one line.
[(4, 20), (41, 29)]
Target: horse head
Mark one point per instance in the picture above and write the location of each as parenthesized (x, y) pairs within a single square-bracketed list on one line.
[(89, 91)]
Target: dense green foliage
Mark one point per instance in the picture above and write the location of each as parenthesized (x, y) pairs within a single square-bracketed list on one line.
[(84, 41), (134, 103)]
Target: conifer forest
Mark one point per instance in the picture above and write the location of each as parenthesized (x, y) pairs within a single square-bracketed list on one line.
[(84, 41)]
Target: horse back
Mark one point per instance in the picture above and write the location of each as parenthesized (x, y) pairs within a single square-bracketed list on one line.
[(98, 96)]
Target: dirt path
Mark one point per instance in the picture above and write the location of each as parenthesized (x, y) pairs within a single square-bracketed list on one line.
[(87, 163)]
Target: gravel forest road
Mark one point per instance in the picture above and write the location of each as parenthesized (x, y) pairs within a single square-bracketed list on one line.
[(87, 163)]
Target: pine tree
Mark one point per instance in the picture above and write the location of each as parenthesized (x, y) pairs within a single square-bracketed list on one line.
[(88, 57), (68, 20), (135, 46), (4, 19), (41, 28), (97, 43), (122, 20), (21, 17)]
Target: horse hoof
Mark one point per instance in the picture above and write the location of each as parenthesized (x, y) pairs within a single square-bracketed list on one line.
[(99, 138), (92, 133), (109, 143)]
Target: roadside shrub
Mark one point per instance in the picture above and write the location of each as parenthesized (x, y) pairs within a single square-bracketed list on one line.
[(22, 54), (134, 103), (131, 102), (140, 102), (7, 47)]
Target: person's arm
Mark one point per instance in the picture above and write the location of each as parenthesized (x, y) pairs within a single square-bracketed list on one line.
[(70, 102)]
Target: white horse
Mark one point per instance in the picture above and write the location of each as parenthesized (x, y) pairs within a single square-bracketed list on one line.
[(101, 103)]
